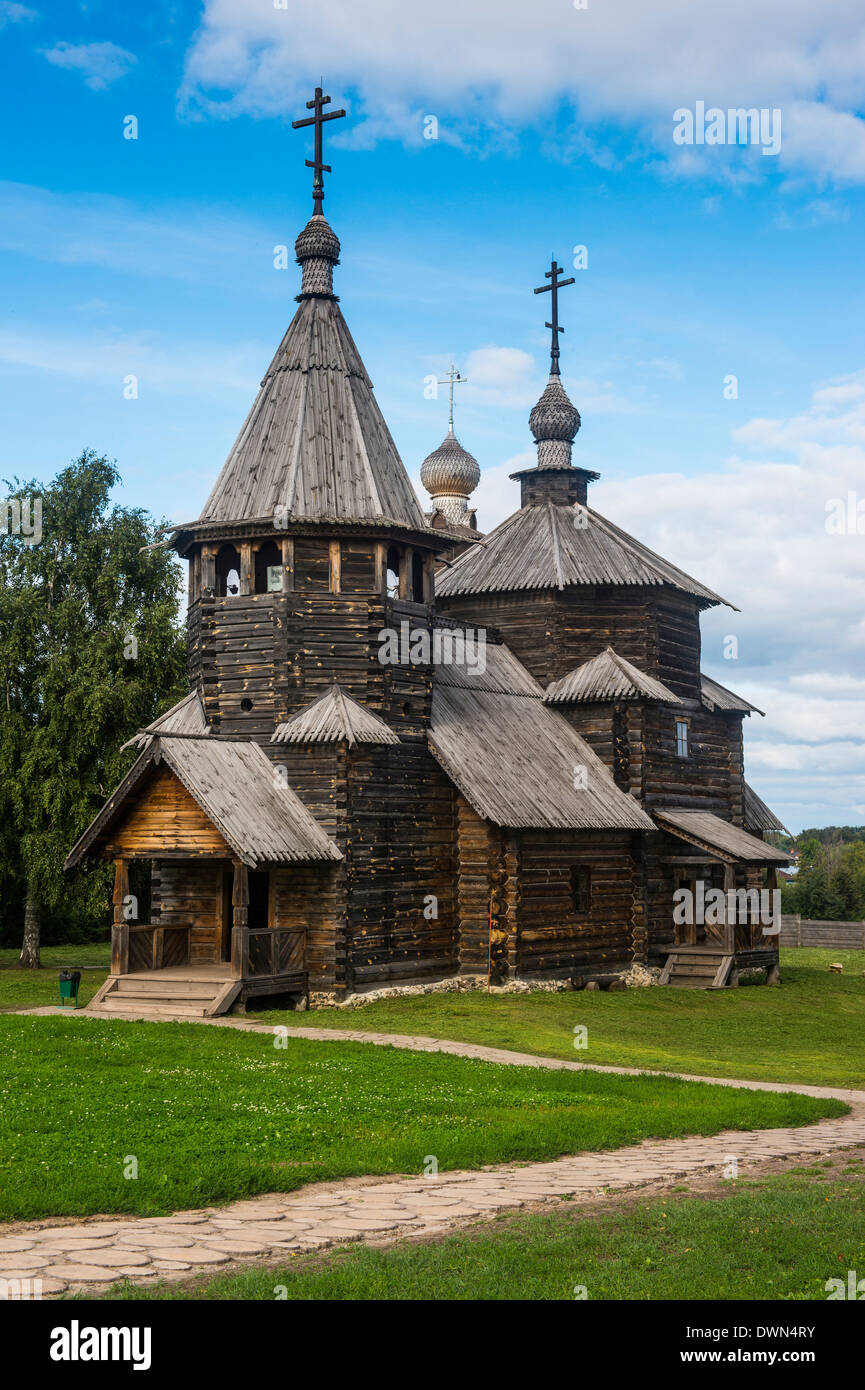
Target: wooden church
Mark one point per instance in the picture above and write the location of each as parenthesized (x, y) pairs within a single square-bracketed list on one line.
[(412, 752)]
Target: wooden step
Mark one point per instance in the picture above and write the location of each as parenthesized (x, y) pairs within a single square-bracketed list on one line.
[(160, 997), (695, 969), (130, 1005), (168, 989)]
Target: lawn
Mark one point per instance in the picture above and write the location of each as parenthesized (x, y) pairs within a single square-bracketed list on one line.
[(779, 1237), (23, 989), (810, 1029), (207, 1114)]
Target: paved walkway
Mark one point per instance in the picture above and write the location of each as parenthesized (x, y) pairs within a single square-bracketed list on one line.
[(96, 1252)]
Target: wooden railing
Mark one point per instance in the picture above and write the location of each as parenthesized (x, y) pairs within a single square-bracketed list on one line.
[(266, 951), (148, 946)]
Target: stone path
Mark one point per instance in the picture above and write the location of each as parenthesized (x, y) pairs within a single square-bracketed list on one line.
[(96, 1252)]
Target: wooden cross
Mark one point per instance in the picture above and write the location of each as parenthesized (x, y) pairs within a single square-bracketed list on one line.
[(450, 379), (318, 119), (554, 286)]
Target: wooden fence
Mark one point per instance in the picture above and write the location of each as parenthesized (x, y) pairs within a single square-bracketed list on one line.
[(835, 936)]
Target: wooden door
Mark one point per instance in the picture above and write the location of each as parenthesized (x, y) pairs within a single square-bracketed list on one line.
[(686, 932)]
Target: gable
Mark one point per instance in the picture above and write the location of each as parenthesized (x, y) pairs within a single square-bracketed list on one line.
[(164, 818)]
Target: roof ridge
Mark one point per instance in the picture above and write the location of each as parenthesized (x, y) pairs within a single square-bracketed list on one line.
[(346, 714)]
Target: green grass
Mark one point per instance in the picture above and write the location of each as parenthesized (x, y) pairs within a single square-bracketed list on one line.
[(778, 1237), (810, 1029), (25, 989), (210, 1114)]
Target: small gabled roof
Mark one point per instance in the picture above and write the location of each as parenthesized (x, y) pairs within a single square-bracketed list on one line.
[(514, 759), (757, 815), (607, 676), (553, 546), (730, 842), (186, 717), (332, 718), (718, 697), (233, 781)]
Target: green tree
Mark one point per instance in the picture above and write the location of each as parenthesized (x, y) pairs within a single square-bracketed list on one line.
[(91, 648), (848, 881)]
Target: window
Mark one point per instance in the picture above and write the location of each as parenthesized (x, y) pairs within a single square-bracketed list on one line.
[(268, 569), (681, 738), (417, 577), (227, 572), (581, 890), (392, 576)]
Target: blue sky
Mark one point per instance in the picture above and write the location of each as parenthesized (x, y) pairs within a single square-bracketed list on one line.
[(154, 257)]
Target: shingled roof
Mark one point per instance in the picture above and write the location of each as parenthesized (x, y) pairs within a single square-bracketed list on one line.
[(718, 697), (315, 442), (258, 815), (332, 718), (729, 842), (758, 816), (552, 546), (514, 759), (607, 676), (186, 717)]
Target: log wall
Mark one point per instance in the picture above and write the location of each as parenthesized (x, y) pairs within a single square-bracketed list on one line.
[(185, 893), (552, 935)]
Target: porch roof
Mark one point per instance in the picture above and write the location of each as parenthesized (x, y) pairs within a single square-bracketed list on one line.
[(234, 782), (730, 843)]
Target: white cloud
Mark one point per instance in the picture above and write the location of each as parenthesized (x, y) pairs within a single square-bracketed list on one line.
[(502, 367), (628, 65), (755, 531), (11, 13), (100, 64), (190, 242), (107, 358)]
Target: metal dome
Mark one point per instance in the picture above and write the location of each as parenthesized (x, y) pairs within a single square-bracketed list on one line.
[(450, 470)]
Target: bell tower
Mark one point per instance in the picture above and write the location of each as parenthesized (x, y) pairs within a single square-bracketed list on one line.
[(312, 530)]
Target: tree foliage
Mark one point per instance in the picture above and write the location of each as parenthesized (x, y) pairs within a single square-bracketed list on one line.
[(830, 883), (91, 648)]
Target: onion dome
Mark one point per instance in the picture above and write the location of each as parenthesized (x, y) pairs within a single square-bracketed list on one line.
[(450, 474), (554, 422), (317, 250)]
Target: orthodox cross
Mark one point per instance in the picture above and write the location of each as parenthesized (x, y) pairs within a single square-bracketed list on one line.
[(318, 119), (450, 380), (554, 286)]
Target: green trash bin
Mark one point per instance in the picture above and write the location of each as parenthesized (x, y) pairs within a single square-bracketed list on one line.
[(69, 982)]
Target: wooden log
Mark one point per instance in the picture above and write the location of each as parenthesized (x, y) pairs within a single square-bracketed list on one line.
[(120, 927)]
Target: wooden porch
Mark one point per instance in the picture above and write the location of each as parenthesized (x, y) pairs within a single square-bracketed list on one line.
[(726, 910), (153, 969)]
